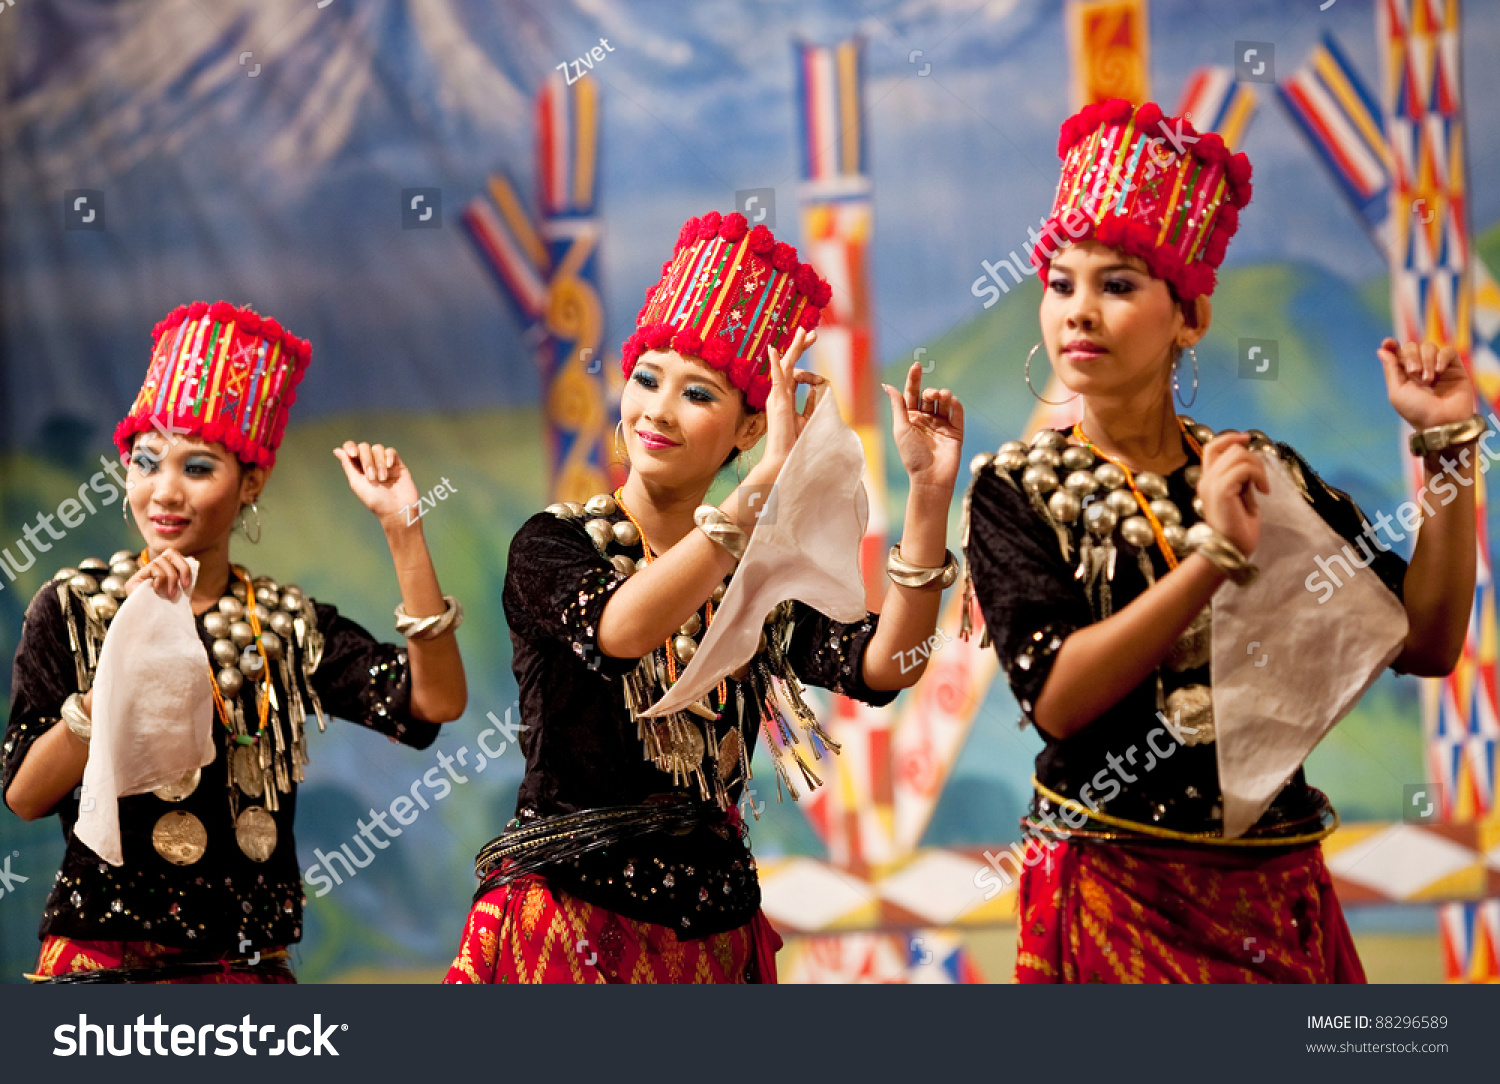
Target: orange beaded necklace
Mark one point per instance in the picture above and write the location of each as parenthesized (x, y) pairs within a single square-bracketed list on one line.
[(1140, 498), (263, 705)]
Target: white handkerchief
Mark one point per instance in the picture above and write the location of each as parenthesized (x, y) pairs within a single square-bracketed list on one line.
[(805, 546), (1285, 666), (153, 711)]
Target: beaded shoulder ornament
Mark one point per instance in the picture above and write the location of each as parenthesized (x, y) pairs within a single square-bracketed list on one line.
[(275, 628), (686, 744)]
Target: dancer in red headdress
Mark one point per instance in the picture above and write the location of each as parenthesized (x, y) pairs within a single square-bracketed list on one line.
[(627, 861), (1094, 553), (201, 882)]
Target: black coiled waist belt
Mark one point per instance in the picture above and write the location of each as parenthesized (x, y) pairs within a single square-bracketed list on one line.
[(530, 848), (671, 862)]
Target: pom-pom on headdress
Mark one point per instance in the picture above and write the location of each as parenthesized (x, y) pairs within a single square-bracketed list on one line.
[(727, 294), (1148, 185), (221, 374)]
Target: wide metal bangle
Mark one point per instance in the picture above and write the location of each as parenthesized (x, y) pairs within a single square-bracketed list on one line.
[(77, 719), (1224, 554), (430, 628), (1436, 439), (722, 530), (905, 574)]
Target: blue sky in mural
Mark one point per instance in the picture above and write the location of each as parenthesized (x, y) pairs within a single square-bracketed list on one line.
[(282, 189)]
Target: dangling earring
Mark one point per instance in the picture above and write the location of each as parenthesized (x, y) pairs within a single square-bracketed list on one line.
[(1049, 402), (739, 469), (619, 441), (1176, 385), (251, 538)]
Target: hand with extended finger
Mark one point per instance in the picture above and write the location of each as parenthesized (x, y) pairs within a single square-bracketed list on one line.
[(1428, 385), (928, 426), (1231, 475), (379, 479), (167, 573), (783, 421)]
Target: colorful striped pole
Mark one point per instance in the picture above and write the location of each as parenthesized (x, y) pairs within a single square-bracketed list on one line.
[(1432, 298), (548, 271), (853, 816)]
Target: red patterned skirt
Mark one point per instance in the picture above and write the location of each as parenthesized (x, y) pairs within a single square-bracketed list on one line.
[(1128, 912), (528, 932), (64, 955)]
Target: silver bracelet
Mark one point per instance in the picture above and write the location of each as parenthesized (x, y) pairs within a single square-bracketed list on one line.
[(77, 719), (1440, 437), (905, 574), (430, 628), (1224, 554), (722, 530)]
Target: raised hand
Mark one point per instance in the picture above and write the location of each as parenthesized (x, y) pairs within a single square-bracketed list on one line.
[(1231, 475), (167, 573), (929, 430), (378, 478), (783, 422), (1428, 385)]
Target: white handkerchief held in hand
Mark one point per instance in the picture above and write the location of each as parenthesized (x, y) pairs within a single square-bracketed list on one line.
[(1285, 666), (805, 546), (153, 711)]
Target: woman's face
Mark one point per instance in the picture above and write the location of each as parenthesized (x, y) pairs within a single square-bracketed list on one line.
[(1108, 325), (682, 418), (185, 493)]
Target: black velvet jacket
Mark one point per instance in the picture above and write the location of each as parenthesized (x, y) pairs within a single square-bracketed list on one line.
[(1032, 601), (224, 902), (583, 752)]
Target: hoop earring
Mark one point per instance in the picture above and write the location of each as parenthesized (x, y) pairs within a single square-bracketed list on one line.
[(619, 436), (244, 527), (1176, 384), (1038, 398)]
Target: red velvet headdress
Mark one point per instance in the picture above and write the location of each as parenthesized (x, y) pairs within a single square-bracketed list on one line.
[(1150, 186), (222, 374), (727, 294)]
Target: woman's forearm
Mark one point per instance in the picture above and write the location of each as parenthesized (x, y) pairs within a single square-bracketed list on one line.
[(1438, 590), (652, 605), (52, 767), (908, 616), (1098, 665), (439, 691)]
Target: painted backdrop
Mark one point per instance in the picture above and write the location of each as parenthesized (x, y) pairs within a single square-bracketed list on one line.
[(264, 151)]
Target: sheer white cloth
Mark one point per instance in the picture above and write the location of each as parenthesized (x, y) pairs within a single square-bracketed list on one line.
[(153, 711), (805, 546), (1285, 667)]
